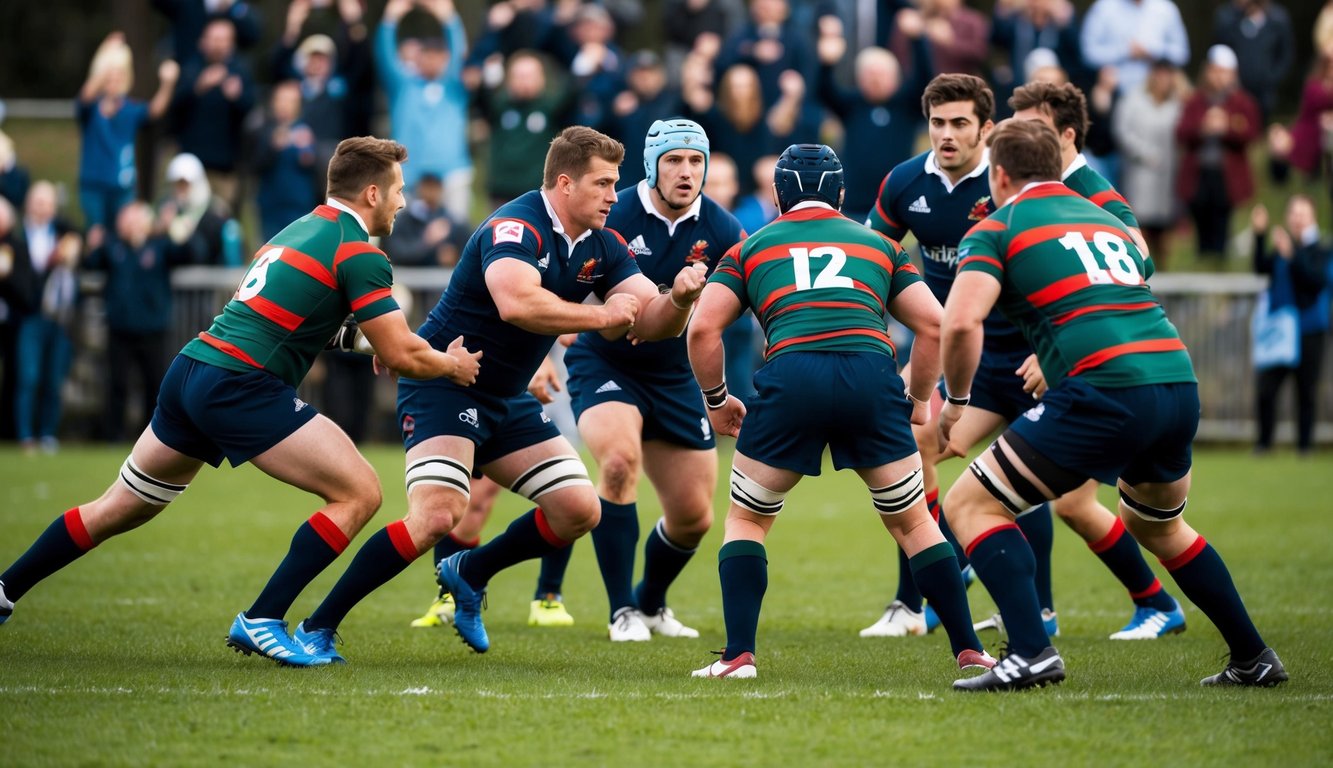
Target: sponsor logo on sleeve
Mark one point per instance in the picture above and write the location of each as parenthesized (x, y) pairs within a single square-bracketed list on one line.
[(508, 231)]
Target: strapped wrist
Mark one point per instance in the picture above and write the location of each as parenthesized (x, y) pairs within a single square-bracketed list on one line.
[(716, 397), (957, 400)]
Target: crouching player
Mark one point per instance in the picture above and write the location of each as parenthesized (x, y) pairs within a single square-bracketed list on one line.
[(1123, 405), (820, 284)]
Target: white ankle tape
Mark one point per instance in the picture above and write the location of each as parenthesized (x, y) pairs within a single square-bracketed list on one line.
[(900, 496), (439, 470), (150, 489), (551, 475)]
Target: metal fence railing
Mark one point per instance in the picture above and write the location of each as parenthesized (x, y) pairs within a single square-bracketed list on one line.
[(1211, 311)]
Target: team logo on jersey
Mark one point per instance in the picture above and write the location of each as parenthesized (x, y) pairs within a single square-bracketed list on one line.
[(980, 209), (299, 403), (409, 425), (545, 419), (639, 248), (469, 417), (609, 386), (585, 274), (507, 231), (698, 252), (919, 205)]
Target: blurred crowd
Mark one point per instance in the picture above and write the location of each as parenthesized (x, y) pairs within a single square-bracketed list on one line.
[(252, 129)]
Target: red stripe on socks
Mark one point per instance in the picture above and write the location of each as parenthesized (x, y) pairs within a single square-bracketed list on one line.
[(402, 540), (544, 528), (1106, 542), (987, 534), (1189, 554), (77, 531), (1153, 588), (466, 544), (329, 532), (933, 503)]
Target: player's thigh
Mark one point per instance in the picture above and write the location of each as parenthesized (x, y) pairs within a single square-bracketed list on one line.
[(685, 480), (612, 431), (320, 458), (136, 495), (439, 481), (1008, 478)]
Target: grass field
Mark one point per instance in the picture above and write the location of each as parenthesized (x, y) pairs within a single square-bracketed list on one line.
[(119, 660)]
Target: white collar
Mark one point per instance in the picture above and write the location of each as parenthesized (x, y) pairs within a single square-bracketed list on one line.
[(1079, 162), (340, 205), (646, 198), (1030, 185), (804, 204), (934, 167), (560, 227)]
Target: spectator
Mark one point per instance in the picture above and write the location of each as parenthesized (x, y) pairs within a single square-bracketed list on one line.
[(736, 121), (1259, 31), (772, 43), (743, 357), (758, 207), (1144, 125), (1217, 125), (1020, 27), (721, 185), (194, 218), (45, 292), (424, 235), (1312, 133), (109, 122), (189, 17), (213, 97), (11, 250), (598, 67), (1323, 27), (957, 34), (525, 114), (14, 179), (1298, 267), (690, 24), (286, 160), (645, 100), (137, 262), (337, 88), (1043, 66), (521, 25), (1099, 145), (1130, 34), (880, 117), (428, 103)]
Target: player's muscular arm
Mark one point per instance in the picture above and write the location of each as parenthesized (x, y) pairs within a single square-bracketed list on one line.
[(970, 300), (663, 315), (402, 351), (918, 309), (718, 308), (519, 296)]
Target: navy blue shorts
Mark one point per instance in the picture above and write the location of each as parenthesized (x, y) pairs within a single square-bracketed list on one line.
[(669, 401), (996, 388), (211, 413), (497, 425), (851, 402), (1139, 434)]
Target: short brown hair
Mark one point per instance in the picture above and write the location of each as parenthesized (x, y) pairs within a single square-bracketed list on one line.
[(1027, 150), (948, 88), (361, 161), (573, 150), (1065, 104)]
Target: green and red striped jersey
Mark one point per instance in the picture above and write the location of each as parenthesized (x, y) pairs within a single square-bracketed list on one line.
[(1081, 178), (1073, 282), (818, 281), (300, 287)]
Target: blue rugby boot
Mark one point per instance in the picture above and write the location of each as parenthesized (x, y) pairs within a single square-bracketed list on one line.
[(468, 602), (319, 643), (1150, 624), (268, 637)]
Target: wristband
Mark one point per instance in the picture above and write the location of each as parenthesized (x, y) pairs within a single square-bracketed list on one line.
[(915, 400), (672, 298), (716, 397), (961, 401)]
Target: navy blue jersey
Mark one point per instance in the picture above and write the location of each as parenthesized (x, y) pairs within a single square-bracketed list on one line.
[(661, 251), (523, 229), (916, 197)]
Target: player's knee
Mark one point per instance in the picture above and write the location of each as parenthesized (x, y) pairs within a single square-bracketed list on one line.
[(572, 514), (753, 497), (899, 496), (689, 525), (618, 475), (553, 474)]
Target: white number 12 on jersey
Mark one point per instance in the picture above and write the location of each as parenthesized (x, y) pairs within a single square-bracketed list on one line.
[(1119, 265), (828, 276)]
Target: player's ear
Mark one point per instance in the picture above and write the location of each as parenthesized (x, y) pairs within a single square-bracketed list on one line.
[(986, 128)]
